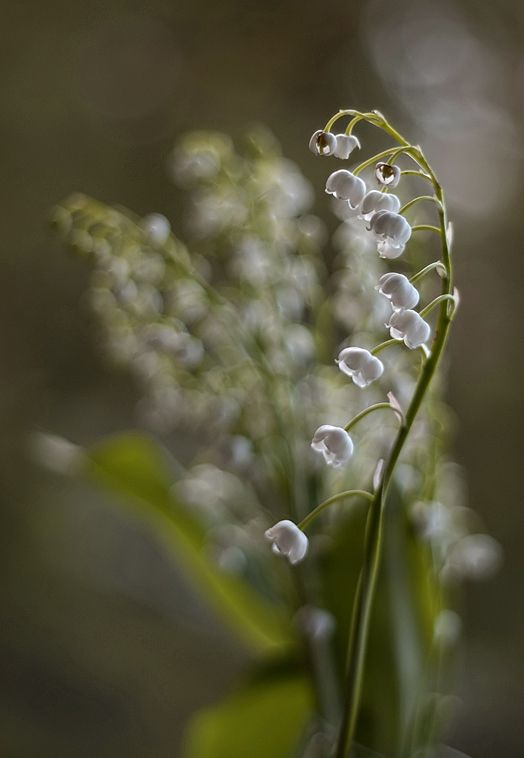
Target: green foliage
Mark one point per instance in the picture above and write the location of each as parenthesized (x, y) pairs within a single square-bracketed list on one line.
[(136, 468), (262, 719)]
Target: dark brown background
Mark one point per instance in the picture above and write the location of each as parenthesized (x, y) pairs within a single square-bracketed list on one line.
[(103, 649)]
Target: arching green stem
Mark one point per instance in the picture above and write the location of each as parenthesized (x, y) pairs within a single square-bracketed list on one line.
[(383, 345), (371, 409), (418, 199), (363, 602), (441, 298), (426, 228), (435, 266), (306, 521)]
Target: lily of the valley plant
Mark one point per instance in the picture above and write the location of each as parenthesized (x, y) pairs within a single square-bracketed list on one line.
[(294, 381)]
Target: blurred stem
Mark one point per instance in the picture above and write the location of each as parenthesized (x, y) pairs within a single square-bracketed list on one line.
[(363, 602)]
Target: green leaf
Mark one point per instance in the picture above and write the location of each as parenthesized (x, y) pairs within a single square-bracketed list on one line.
[(260, 720), (136, 468)]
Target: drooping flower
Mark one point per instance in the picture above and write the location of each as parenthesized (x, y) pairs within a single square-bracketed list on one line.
[(360, 365), (346, 186), (378, 201), (287, 539), (410, 327), (323, 143), (387, 174), (398, 290), (334, 443), (346, 143), (392, 232)]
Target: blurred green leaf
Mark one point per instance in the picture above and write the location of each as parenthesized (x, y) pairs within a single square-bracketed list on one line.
[(137, 469), (260, 720)]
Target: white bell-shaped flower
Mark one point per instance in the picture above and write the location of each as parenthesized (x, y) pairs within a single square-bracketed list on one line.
[(288, 540), (398, 290), (334, 443), (360, 365), (346, 186), (378, 201), (323, 143), (410, 327), (392, 232), (346, 143), (387, 174)]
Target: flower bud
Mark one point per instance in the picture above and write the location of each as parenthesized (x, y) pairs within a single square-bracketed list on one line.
[(398, 290), (346, 186), (288, 540), (387, 174), (157, 228), (392, 232), (410, 327), (360, 365), (378, 201), (323, 143), (346, 143), (334, 443)]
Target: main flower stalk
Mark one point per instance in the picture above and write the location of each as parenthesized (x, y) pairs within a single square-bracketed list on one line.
[(363, 602)]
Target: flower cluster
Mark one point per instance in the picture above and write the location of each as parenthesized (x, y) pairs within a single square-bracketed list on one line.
[(382, 212)]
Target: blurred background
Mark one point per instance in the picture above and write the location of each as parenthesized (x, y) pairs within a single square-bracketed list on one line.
[(104, 649)]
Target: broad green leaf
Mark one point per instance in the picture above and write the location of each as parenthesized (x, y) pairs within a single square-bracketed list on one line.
[(405, 604), (136, 468), (262, 719)]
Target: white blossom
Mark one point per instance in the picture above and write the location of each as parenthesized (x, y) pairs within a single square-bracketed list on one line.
[(288, 540), (334, 443), (323, 143), (398, 290), (346, 186), (157, 228), (392, 232), (360, 365), (387, 174), (378, 201), (346, 143), (410, 327)]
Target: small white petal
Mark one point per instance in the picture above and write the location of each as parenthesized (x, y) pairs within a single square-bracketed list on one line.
[(346, 186), (392, 232), (346, 143), (398, 290), (334, 443), (157, 228), (323, 143), (375, 201), (410, 327), (360, 365), (288, 540), (387, 174)]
